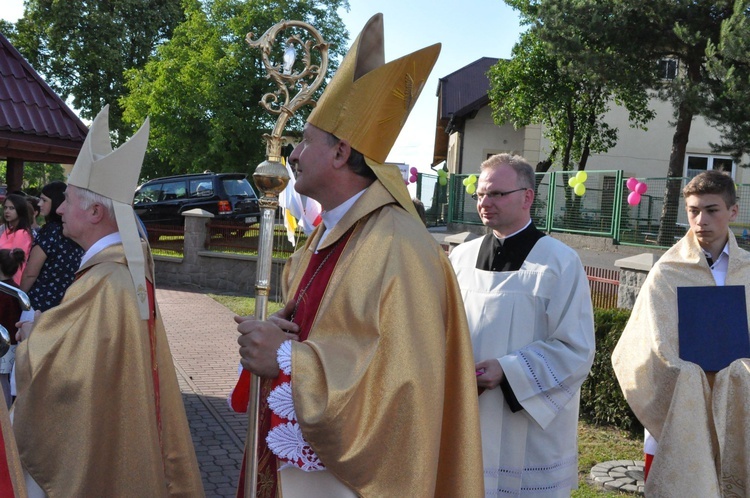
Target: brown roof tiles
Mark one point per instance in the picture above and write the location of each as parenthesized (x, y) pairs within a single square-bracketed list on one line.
[(35, 123)]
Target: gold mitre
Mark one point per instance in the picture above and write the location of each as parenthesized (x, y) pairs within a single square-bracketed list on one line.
[(367, 102), (114, 174)]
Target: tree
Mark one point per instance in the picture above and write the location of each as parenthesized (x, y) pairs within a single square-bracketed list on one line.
[(729, 85), (37, 175), (202, 88), (624, 40), (82, 48), (534, 86), (7, 28)]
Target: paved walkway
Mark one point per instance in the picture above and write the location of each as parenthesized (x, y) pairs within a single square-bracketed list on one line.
[(203, 339)]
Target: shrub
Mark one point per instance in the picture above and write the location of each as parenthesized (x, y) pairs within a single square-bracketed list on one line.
[(602, 402)]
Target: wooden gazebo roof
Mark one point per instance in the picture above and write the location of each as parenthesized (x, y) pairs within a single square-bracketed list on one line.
[(35, 124)]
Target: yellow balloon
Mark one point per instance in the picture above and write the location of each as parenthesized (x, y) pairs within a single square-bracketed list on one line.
[(581, 176), (472, 178), (572, 181), (580, 189), (466, 182), (471, 189)]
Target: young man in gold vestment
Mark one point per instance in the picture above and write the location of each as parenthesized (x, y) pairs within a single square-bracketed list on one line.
[(378, 396), (699, 419), (99, 411)]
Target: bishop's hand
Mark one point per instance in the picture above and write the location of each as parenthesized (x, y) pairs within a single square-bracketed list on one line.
[(259, 341)]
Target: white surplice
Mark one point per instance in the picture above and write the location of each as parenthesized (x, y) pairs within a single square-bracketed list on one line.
[(538, 322)]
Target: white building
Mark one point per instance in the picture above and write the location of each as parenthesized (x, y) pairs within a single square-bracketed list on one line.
[(466, 134)]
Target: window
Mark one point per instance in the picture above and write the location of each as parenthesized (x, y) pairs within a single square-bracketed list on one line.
[(149, 193), (201, 188), (238, 187), (174, 190), (695, 164), (667, 69)]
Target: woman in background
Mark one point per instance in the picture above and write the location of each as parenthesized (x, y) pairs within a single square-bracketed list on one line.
[(16, 229), (33, 203), (54, 259)]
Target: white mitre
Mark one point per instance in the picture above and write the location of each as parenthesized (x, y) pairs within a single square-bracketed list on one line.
[(114, 174)]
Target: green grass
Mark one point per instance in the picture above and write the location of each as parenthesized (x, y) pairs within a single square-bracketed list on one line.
[(595, 444), (243, 306)]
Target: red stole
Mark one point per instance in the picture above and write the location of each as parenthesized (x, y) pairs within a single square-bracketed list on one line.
[(307, 308), (6, 473)]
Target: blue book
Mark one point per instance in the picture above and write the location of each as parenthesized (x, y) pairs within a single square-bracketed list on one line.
[(712, 324)]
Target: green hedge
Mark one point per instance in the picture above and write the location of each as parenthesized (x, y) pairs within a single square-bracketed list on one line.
[(602, 402)]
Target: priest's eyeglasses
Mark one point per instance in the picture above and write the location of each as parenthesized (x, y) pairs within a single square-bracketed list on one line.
[(494, 195)]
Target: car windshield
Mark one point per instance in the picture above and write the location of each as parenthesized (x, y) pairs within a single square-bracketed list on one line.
[(238, 187)]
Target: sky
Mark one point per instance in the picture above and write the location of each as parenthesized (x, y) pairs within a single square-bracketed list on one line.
[(468, 30)]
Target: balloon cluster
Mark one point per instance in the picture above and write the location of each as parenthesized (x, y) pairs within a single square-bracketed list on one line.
[(412, 175), (577, 183), (470, 182), (442, 177), (637, 189)]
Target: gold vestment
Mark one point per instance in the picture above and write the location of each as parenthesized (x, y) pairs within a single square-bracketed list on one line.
[(703, 431), (384, 388), (85, 417)]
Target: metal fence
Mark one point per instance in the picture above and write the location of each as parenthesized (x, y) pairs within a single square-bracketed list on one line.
[(167, 240), (603, 210), (434, 197), (604, 284), (223, 236)]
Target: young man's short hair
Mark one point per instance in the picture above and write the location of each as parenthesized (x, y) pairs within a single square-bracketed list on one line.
[(712, 182)]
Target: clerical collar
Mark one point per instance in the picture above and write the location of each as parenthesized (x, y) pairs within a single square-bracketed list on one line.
[(502, 239), (332, 217), (100, 245), (511, 253)]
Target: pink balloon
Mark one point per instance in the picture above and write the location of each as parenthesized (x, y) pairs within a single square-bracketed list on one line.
[(413, 170), (631, 183), (634, 198), (413, 178), (641, 188)]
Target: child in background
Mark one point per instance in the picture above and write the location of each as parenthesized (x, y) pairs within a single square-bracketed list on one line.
[(10, 312), (16, 231)]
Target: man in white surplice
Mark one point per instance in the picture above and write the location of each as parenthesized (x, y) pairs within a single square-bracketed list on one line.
[(532, 329)]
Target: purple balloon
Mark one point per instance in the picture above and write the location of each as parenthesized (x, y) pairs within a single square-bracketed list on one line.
[(631, 183), (413, 178), (641, 188), (634, 198), (413, 170)]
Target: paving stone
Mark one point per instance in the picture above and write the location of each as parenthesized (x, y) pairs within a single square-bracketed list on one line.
[(619, 475)]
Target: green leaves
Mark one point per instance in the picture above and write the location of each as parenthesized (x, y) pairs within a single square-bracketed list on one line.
[(540, 84), (202, 87), (184, 63)]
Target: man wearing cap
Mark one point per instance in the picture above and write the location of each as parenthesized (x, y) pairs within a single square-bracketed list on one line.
[(377, 397), (99, 411)]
